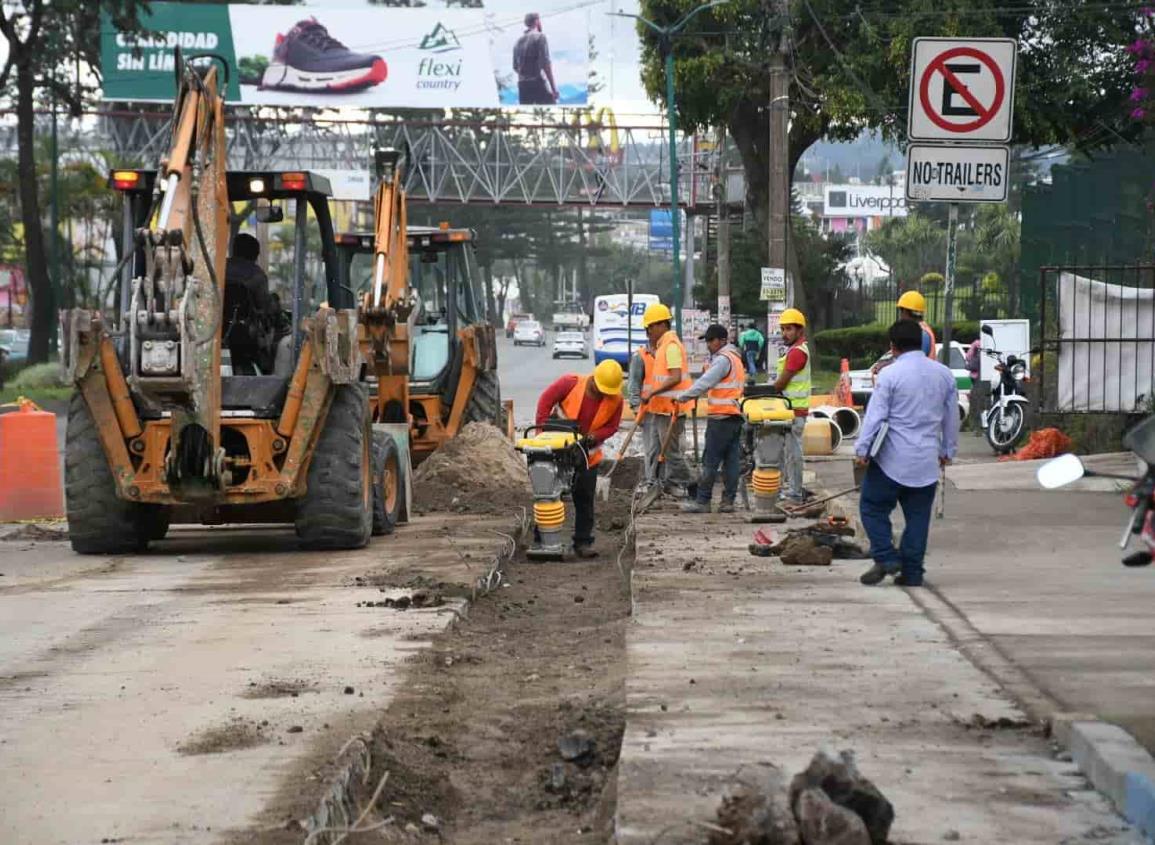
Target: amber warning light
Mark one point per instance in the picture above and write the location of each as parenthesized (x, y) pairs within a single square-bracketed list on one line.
[(125, 180)]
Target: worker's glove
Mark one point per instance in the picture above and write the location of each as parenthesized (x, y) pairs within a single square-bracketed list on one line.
[(589, 443)]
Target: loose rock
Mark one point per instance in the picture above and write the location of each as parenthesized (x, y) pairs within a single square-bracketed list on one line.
[(804, 551), (577, 747), (840, 779), (822, 822), (757, 816)]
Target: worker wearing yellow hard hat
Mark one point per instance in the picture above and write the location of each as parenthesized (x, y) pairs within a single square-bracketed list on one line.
[(794, 383), (912, 306), (594, 402), (666, 377)]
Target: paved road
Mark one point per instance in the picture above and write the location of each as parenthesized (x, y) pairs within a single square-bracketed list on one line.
[(526, 370)]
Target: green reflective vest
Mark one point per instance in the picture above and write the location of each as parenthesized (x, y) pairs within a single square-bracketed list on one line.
[(798, 390)]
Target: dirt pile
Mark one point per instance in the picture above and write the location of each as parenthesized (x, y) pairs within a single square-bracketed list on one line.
[(478, 471), (830, 803)]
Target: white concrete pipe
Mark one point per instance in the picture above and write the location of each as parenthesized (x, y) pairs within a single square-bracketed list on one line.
[(820, 436), (847, 419)]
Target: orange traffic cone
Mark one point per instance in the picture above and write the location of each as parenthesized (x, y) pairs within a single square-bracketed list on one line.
[(842, 395), (29, 465)]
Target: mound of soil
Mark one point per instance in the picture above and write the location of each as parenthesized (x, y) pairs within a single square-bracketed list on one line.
[(478, 471)]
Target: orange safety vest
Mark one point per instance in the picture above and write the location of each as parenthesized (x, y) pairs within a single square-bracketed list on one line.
[(724, 398), (663, 403), (571, 408)]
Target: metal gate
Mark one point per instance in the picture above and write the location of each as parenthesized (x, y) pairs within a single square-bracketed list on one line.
[(1098, 338)]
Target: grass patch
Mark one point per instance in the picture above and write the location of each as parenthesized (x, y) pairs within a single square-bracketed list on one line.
[(39, 395)]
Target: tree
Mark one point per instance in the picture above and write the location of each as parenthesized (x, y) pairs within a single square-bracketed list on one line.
[(849, 70), (47, 44)]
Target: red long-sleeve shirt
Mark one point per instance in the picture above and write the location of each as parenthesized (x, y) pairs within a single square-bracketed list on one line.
[(556, 392)]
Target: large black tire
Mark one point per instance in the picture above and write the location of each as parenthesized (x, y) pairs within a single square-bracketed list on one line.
[(336, 510), (485, 403), (388, 484), (99, 521), (157, 519)]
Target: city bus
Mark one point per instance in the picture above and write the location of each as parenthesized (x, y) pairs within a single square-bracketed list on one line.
[(614, 336)]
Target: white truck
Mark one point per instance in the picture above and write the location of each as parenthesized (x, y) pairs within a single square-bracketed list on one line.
[(569, 316)]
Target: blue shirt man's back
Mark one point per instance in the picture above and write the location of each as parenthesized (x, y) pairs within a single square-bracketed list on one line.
[(918, 399)]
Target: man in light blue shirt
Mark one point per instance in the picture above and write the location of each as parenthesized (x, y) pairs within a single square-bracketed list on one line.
[(914, 409)]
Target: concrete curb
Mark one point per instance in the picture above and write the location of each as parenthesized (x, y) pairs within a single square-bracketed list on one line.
[(1109, 757), (1115, 763)]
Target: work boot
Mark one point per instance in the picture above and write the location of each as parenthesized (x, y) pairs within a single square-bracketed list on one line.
[(584, 551), (875, 575), (694, 506), (726, 507)]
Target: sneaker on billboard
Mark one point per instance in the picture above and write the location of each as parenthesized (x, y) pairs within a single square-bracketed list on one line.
[(308, 58)]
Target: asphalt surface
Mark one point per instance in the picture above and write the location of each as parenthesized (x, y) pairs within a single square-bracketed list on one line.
[(526, 370)]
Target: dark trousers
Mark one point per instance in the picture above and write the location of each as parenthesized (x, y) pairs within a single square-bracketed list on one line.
[(723, 449), (534, 92), (880, 494), (585, 482)]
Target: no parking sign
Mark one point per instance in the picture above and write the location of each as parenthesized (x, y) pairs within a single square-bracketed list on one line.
[(962, 90)]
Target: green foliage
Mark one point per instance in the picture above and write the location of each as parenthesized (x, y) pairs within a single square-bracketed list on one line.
[(863, 345), (848, 69), (931, 280), (38, 376)]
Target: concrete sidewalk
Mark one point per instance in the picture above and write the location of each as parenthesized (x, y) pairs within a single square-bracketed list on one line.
[(735, 661)]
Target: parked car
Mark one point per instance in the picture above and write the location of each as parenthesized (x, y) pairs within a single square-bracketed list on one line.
[(529, 332), (513, 321), (16, 342), (862, 381), (570, 343)]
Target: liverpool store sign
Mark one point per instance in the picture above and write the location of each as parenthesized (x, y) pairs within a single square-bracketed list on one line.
[(367, 57)]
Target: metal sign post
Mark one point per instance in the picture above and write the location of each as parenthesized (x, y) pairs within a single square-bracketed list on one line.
[(948, 284)]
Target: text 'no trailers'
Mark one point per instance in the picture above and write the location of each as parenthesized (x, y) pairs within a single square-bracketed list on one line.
[(937, 173)]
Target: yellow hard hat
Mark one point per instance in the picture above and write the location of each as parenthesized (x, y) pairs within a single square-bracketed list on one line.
[(656, 312), (608, 377), (914, 301), (792, 317)]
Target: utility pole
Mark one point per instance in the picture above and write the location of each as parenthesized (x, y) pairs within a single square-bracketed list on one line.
[(948, 314), (780, 151), (723, 237)]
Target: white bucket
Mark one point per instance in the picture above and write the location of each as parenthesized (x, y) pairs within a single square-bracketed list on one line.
[(847, 419)]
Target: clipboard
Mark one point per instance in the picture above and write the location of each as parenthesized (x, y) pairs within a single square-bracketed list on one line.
[(879, 439)]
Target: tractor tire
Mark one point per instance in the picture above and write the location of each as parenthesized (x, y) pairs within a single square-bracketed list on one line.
[(336, 511), (485, 403), (388, 484), (157, 519), (99, 521)]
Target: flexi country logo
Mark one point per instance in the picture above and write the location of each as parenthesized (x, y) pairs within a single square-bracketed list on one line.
[(440, 72)]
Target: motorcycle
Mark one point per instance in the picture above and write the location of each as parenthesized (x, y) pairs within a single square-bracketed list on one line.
[(1140, 498), (1005, 421)]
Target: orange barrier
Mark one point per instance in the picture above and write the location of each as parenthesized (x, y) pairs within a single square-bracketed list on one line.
[(29, 465), (842, 395)]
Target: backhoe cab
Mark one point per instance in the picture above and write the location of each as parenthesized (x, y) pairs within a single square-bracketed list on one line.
[(212, 394), (433, 356)]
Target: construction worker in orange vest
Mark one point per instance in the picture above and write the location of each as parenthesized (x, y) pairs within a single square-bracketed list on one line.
[(595, 402), (722, 383), (667, 377), (641, 364)]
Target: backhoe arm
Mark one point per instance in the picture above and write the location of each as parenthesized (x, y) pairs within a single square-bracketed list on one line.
[(388, 306)]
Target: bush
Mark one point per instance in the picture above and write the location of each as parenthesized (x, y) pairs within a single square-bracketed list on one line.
[(864, 344), (38, 376)]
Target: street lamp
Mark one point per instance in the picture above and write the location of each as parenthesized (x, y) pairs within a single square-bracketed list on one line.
[(665, 44)]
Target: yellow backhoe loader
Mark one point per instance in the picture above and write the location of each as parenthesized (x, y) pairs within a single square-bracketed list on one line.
[(202, 399), (433, 356)]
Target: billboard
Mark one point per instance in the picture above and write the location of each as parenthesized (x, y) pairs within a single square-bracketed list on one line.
[(362, 57), (863, 201)]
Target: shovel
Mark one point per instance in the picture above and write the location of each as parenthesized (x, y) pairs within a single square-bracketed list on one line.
[(603, 481)]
